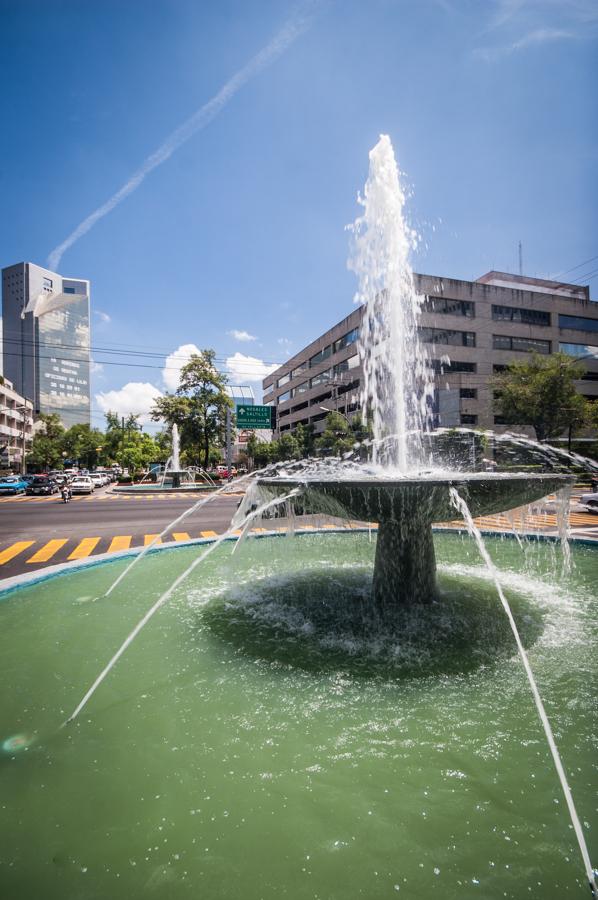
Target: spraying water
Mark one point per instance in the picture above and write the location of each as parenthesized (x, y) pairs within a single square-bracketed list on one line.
[(462, 507), (397, 386), (166, 596)]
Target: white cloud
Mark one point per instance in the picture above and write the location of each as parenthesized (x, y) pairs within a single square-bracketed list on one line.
[(523, 24), (171, 372), (241, 335), (248, 368), (136, 397), (537, 37), (102, 316), (95, 368)]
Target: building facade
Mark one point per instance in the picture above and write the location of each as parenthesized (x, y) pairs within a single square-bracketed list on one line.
[(471, 329), (16, 427), (46, 340)]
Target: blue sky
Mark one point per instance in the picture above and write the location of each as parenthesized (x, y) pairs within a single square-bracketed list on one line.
[(238, 231)]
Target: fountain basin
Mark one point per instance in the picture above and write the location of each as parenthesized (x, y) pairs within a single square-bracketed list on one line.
[(404, 569), (249, 730)]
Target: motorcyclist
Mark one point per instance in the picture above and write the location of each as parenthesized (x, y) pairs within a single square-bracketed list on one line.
[(66, 492)]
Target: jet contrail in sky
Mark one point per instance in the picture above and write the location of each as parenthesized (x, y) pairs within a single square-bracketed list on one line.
[(291, 30)]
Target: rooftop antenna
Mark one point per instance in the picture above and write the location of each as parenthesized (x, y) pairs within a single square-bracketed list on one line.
[(520, 258)]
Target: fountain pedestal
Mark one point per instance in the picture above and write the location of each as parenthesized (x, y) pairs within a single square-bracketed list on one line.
[(405, 564)]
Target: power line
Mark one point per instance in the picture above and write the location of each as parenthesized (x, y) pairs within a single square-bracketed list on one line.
[(578, 266), (77, 348)]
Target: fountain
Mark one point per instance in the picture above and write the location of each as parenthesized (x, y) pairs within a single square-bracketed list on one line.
[(272, 735), (400, 491), (173, 477)]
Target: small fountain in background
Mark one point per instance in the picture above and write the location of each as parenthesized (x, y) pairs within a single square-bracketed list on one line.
[(173, 475)]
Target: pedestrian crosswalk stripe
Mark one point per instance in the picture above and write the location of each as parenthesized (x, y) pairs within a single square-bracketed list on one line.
[(180, 536), (48, 550), (208, 534), (120, 542), (84, 548), (14, 550), (148, 538)]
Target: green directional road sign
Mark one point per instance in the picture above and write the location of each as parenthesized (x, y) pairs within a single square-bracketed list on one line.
[(255, 416)]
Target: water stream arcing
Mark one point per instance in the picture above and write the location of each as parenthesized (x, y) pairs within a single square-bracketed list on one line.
[(166, 596), (474, 531)]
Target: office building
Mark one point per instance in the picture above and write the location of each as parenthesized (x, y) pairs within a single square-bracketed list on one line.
[(16, 427), (46, 340), (471, 329)]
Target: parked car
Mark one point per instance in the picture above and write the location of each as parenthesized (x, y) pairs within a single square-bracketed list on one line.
[(590, 501), (42, 484), (12, 484), (82, 484), (97, 478)]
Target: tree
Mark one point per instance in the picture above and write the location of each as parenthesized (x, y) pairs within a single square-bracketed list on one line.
[(541, 392), (338, 436), (288, 447), (46, 448), (304, 435), (261, 452), (83, 443), (199, 406)]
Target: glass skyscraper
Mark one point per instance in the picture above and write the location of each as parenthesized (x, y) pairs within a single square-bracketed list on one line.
[(46, 340)]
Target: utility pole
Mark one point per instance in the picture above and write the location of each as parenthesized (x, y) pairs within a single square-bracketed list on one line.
[(229, 447), (520, 258)]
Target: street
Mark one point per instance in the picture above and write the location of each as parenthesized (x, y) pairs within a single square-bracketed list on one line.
[(42, 531)]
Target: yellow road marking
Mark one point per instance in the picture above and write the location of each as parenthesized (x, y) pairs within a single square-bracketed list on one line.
[(208, 534), (180, 536), (148, 538), (14, 550), (120, 542), (84, 548), (47, 552)]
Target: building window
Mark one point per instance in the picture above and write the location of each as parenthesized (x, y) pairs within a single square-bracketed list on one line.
[(447, 336), (467, 419), (500, 420), (346, 340), (69, 290), (468, 393), (320, 357), (284, 397), (345, 366), (446, 368), (447, 306), (300, 389), (520, 344), (579, 350), (283, 380), (578, 323), (525, 316), (299, 370), (322, 378)]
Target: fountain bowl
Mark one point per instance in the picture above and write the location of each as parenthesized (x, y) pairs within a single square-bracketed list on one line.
[(405, 564)]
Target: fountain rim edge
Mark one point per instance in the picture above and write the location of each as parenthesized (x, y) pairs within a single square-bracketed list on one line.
[(16, 583)]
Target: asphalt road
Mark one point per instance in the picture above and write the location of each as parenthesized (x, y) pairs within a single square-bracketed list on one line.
[(37, 532)]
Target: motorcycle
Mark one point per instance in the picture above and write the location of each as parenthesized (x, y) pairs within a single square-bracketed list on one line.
[(66, 493)]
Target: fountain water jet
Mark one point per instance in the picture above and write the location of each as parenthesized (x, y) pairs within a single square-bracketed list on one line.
[(401, 492)]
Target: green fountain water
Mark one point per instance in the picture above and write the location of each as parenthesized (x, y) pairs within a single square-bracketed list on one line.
[(268, 736)]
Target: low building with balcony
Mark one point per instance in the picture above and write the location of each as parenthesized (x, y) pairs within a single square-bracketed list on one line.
[(16, 427)]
